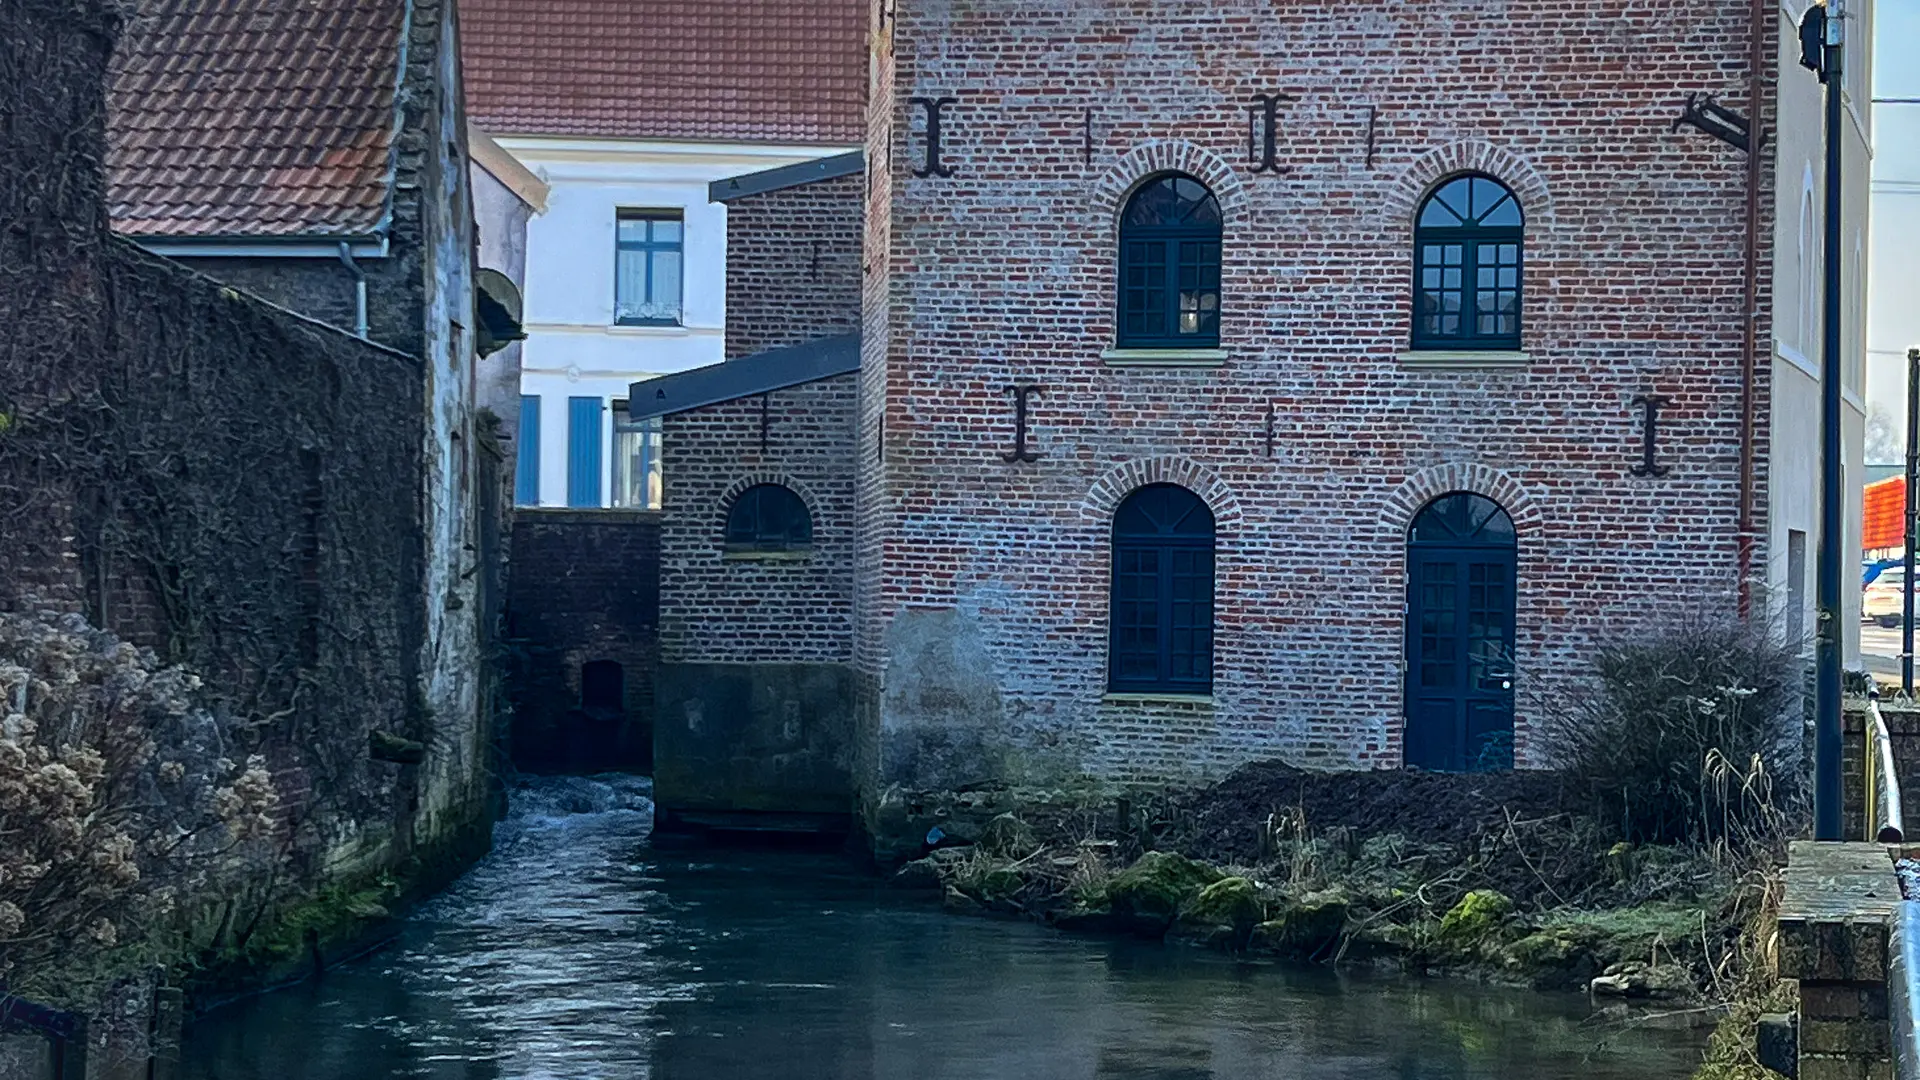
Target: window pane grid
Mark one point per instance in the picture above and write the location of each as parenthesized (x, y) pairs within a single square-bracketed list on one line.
[(1162, 599), (647, 267), (1467, 267), (1169, 294)]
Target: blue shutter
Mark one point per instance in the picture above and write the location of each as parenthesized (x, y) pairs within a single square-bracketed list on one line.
[(526, 471), (583, 452)]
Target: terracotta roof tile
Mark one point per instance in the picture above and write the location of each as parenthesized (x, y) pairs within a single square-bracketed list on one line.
[(791, 71), (252, 117)]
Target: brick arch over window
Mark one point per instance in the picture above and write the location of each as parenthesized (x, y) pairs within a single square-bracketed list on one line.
[(753, 480), (1151, 159), (1106, 494), (1416, 491), (1411, 187)]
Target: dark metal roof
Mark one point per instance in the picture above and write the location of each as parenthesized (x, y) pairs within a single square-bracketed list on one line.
[(786, 176), (730, 380)]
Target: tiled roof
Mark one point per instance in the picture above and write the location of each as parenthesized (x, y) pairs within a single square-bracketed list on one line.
[(790, 71), (253, 118)]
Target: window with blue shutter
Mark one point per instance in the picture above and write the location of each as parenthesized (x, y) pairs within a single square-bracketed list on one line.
[(583, 451), (526, 469)]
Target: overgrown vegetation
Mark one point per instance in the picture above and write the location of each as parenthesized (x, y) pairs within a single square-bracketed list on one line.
[(125, 804), (1645, 865), (1688, 733)]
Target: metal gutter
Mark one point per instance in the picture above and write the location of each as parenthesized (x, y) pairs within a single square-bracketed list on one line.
[(786, 176), (385, 224), (359, 290), (263, 247)]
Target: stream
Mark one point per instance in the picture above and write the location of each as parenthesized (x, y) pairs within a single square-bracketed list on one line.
[(575, 950)]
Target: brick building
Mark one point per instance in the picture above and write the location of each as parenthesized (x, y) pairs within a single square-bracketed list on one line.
[(1182, 437)]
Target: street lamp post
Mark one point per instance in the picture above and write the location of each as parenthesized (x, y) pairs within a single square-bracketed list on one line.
[(1822, 48), (1912, 520)]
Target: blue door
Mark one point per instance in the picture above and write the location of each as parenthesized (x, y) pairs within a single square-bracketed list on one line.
[(1460, 608)]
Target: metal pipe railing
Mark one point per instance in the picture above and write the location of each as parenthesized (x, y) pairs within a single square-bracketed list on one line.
[(1903, 992), (1885, 824)]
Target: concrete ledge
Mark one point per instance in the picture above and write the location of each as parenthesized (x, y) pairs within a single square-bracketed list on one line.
[(1169, 358), (795, 556), (1156, 699), (1836, 911), (1464, 360)]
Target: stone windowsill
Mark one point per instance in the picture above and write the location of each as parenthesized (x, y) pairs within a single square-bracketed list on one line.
[(650, 329), (1156, 699), (1464, 359), (799, 555), (1170, 358)]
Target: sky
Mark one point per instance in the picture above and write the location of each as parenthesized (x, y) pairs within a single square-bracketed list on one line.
[(1893, 271)]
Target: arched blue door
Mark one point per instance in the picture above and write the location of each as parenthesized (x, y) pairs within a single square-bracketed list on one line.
[(1460, 607)]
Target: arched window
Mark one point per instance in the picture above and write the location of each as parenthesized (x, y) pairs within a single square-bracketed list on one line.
[(1170, 266), (1162, 604), (1467, 265), (768, 517)]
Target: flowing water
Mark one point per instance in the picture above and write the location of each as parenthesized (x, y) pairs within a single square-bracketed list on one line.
[(575, 950)]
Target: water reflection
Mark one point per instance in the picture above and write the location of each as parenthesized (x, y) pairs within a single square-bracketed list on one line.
[(576, 951)]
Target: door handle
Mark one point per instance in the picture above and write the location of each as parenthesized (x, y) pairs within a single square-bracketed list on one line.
[(1497, 680)]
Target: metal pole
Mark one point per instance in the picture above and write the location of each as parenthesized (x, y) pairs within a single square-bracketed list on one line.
[(1826, 730), (1912, 515)]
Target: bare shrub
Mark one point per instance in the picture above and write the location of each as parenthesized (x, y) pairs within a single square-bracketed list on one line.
[(1687, 730), (121, 806)]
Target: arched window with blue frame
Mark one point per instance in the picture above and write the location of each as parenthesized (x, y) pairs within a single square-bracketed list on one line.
[(1468, 241), (1162, 593), (1170, 266)]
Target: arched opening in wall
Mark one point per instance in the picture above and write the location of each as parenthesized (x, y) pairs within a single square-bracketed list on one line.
[(603, 688), (1461, 557)]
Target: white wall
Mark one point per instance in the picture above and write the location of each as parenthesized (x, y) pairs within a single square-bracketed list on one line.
[(573, 348), (1793, 480)]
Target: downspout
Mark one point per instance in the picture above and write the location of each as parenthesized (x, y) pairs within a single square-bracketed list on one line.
[(1750, 298), (359, 289)]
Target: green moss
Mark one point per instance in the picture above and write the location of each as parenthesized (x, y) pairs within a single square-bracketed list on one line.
[(1305, 927), (1478, 917), (287, 937), (1633, 930), (1223, 914), (1157, 886)]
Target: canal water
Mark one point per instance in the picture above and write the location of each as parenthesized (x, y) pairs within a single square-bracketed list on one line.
[(576, 951)]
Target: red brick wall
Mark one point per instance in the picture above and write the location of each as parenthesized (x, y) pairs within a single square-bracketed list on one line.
[(721, 608), (1004, 273), (583, 585), (793, 265)]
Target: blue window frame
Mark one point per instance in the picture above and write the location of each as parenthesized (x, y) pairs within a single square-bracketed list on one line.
[(526, 468), (583, 451), (647, 267), (1468, 248), (1162, 604), (1170, 266)]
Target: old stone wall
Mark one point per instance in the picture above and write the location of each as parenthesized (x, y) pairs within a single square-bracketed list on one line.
[(583, 590), (236, 486), (982, 586), (793, 265)]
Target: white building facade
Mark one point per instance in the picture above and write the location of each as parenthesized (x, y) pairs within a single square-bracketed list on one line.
[(626, 279), (627, 110)]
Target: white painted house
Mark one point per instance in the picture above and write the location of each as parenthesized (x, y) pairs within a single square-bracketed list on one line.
[(626, 267)]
